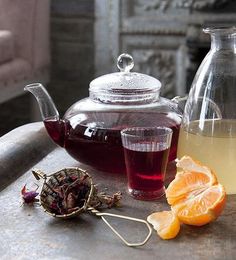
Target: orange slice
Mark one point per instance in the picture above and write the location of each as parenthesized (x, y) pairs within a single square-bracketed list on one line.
[(165, 223), (195, 195)]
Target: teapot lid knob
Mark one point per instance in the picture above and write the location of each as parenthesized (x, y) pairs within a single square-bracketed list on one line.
[(125, 62)]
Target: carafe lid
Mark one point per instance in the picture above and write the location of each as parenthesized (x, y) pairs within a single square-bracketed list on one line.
[(125, 87)]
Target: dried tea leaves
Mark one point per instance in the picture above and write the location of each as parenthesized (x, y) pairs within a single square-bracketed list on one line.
[(69, 194), (70, 191)]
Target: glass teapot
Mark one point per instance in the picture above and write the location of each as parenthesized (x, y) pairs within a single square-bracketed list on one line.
[(208, 131), (90, 129)]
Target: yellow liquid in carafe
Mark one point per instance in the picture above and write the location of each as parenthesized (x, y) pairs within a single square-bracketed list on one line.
[(215, 147)]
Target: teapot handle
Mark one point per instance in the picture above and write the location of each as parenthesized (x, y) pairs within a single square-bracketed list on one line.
[(181, 101)]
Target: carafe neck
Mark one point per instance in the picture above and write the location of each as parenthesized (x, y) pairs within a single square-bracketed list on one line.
[(222, 38), (223, 42)]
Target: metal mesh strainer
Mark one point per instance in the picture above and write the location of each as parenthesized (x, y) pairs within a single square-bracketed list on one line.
[(85, 200)]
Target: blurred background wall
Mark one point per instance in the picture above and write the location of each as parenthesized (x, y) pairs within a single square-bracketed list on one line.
[(72, 50), (164, 37)]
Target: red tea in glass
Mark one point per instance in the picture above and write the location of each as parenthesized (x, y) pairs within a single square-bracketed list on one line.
[(146, 160)]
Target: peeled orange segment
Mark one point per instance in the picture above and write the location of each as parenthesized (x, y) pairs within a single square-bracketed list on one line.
[(194, 177), (184, 183), (189, 165), (201, 208), (195, 197), (165, 223)]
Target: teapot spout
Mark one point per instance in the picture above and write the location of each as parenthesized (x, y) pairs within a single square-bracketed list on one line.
[(50, 116), (47, 107)]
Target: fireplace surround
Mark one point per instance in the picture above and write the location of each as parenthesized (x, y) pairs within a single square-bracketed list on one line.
[(164, 36)]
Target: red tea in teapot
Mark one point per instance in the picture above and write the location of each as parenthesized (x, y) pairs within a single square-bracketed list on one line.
[(94, 138)]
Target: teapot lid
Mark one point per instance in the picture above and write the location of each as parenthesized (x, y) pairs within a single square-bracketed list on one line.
[(125, 87)]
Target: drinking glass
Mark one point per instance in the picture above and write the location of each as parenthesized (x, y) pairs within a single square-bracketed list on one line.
[(146, 151)]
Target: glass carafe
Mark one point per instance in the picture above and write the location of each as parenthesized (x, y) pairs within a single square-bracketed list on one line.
[(208, 130)]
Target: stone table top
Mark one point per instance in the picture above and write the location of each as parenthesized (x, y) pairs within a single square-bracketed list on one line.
[(29, 233)]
